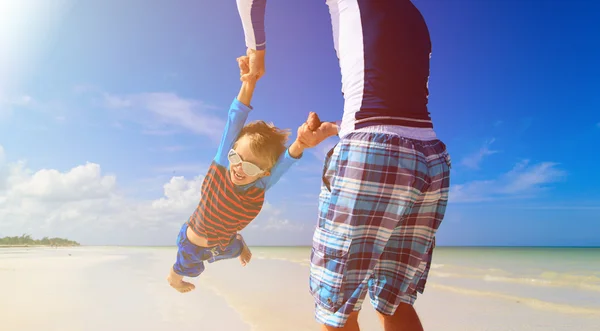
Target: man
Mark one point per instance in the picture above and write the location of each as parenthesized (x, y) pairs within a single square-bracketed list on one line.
[(385, 184)]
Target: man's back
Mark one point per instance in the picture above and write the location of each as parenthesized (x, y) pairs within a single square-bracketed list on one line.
[(384, 49)]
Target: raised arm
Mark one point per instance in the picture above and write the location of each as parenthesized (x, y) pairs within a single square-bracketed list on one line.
[(252, 14), (238, 114), (246, 92)]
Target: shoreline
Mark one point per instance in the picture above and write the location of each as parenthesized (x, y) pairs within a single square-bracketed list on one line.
[(36, 245)]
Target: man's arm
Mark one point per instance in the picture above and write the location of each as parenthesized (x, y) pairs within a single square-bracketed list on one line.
[(252, 14), (238, 114)]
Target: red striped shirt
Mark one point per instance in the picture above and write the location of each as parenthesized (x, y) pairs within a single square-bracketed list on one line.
[(224, 210)]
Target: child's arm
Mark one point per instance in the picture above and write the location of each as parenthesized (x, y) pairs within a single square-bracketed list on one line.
[(308, 136), (286, 160), (238, 114), (246, 91)]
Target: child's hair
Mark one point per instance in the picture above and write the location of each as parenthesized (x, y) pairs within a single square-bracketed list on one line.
[(266, 140)]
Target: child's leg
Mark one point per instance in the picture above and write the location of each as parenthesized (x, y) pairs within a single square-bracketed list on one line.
[(189, 263), (246, 255), (176, 281), (237, 248), (187, 266)]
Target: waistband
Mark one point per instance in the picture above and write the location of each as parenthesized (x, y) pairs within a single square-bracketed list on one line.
[(424, 134)]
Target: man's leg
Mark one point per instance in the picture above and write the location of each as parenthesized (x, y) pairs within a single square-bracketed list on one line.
[(367, 189), (351, 324), (405, 318), (404, 265)]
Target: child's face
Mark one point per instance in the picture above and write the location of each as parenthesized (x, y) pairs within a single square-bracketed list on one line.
[(245, 155)]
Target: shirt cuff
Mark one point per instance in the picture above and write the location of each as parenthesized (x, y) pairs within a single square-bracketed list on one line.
[(237, 105), (290, 157)]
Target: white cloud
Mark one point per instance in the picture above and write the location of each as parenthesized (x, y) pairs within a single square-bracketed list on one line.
[(86, 205), (315, 168), (3, 171), (83, 182), (523, 177), (8, 104), (474, 160), (271, 228), (54, 110), (523, 181), (165, 113), (270, 218), (180, 195), (321, 150)]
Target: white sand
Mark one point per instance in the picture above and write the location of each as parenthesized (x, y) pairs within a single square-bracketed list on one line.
[(125, 289), (90, 291)]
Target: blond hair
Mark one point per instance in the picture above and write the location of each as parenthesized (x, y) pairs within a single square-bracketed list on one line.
[(266, 140)]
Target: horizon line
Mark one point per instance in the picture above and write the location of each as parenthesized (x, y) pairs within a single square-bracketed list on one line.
[(437, 246)]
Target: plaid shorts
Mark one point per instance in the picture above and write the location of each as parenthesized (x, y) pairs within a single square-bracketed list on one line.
[(190, 258), (382, 200)]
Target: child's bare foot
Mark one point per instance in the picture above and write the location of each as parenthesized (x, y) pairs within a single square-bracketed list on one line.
[(246, 254), (176, 281)]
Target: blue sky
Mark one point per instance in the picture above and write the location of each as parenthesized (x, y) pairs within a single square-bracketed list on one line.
[(110, 112)]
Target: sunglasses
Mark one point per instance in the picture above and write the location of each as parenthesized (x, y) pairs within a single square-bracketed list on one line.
[(250, 169)]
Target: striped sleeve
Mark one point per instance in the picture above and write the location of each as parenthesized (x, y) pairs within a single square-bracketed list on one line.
[(252, 14)]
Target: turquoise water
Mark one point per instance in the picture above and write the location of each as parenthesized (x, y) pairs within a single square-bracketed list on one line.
[(567, 278)]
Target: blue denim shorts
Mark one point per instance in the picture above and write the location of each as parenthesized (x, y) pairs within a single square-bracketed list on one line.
[(190, 258)]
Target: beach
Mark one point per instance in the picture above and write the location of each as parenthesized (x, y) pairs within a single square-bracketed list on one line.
[(125, 288)]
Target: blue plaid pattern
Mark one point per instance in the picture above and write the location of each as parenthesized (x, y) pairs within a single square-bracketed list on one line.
[(190, 258), (382, 200)]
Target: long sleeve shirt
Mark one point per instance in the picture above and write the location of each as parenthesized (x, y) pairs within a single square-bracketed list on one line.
[(383, 49), (225, 208)]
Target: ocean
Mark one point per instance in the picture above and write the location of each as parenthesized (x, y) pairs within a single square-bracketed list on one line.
[(124, 288), (562, 278)]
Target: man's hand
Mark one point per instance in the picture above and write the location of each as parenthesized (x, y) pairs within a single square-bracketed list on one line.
[(256, 62), (313, 132)]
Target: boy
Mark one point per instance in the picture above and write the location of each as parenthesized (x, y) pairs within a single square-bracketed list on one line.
[(231, 197)]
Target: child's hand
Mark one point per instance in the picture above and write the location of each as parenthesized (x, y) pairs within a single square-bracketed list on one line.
[(313, 132), (313, 121), (244, 64), (256, 64)]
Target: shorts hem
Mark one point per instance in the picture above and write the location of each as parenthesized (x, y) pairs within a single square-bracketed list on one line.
[(407, 299), (328, 318), (185, 274)]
